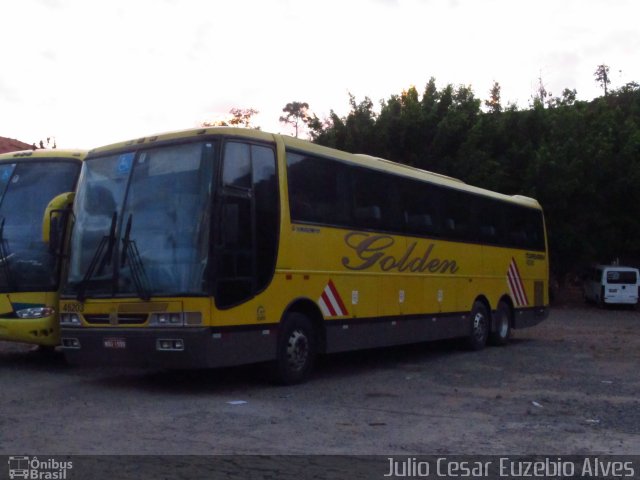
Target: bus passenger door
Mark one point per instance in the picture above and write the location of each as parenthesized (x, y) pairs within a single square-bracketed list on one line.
[(234, 244), (247, 224)]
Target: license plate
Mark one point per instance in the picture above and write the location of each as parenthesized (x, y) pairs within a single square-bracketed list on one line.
[(114, 343)]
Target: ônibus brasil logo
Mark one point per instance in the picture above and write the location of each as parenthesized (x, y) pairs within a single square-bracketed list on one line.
[(36, 469)]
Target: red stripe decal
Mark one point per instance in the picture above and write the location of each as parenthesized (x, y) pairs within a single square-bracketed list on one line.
[(328, 303), (524, 292), (516, 284), (513, 284), (338, 298)]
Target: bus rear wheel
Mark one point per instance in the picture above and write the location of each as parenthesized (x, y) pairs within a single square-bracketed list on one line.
[(502, 332), (296, 350), (479, 327)]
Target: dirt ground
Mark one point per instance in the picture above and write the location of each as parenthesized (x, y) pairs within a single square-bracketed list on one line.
[(567, 386)]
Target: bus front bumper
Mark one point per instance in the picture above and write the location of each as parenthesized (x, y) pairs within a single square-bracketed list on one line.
[(37, 331), (167, 347)]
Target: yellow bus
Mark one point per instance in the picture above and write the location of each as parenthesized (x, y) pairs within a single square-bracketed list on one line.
[(222, 246), (32, 183)]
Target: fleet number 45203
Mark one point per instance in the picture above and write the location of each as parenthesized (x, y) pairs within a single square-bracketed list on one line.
[(73, 307)]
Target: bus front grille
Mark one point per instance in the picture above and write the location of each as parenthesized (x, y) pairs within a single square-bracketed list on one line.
[(106, 319)]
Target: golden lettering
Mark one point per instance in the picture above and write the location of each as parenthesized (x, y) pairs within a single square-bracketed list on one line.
[(371, 250)]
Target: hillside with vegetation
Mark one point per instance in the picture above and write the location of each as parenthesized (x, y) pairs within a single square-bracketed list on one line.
[(581, 160)]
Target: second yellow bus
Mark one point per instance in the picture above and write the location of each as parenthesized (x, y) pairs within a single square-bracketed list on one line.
[(33, 185)]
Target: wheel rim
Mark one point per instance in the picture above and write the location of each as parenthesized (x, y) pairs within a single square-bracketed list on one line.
[(479, 326), (297, 350)]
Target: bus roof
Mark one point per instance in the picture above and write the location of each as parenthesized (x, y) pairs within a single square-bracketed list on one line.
[(306, 146), (40, 154)]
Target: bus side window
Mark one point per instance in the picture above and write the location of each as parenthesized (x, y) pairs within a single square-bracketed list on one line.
[(516, 233), (490, 221), (534, 229), (368, 216), (420, 205), (457, 215), (420, 222), (318, 190), (375, 200)]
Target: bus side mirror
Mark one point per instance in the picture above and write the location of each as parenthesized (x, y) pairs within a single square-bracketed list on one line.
[(51, 220)]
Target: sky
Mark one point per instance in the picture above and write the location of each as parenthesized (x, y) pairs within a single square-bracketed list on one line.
[(91, 73)]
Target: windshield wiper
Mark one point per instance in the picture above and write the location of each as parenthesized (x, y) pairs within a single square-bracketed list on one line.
[(131, 254), (101, 258), (4, 257)]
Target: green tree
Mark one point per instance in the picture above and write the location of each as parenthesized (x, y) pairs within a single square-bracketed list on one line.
[(51, 143), (541, 96), (629, 87), (242, 117), (602, 77), (239, 117), (360, 124), (493, 103), (296, 113), (568, 97), (317, 127), (429, 97)]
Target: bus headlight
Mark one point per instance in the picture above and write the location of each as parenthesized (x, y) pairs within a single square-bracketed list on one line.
[(70, 320), (35, 312), (166, 320), (175, 319)]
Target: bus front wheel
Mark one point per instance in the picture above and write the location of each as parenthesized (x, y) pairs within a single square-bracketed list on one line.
[(479, 327), (296, 350)]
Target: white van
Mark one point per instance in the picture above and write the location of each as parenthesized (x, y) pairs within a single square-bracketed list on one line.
[(610, 284)]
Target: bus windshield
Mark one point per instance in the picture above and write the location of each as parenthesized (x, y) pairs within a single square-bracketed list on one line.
[(26, 189), (142, 223)]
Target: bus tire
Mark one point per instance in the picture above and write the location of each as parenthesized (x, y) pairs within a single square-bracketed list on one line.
[(479, 327), (502, 332), (296, 350)]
